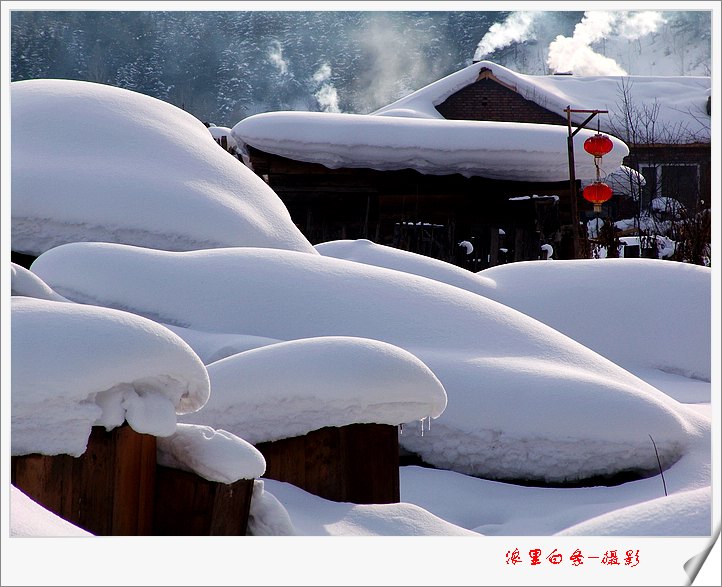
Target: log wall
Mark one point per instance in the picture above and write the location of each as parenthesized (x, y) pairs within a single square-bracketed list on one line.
[(358, 463)]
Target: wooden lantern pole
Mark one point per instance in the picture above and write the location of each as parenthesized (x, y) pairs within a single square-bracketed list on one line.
[(572, 173)]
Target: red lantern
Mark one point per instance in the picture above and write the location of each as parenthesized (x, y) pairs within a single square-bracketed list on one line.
[(597, 193), (598, 145)]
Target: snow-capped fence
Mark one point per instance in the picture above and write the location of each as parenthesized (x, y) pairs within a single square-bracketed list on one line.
[(358, 463), (116, 488)]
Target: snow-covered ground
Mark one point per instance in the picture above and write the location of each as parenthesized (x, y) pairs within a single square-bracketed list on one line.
[(542, 372)]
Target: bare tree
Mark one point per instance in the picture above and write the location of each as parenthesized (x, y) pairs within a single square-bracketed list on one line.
[(668, 204)]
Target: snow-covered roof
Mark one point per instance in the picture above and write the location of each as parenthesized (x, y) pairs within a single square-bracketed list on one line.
[(78, 366), (682, 100), (435, 146), (580, 411), (291, 388), (412, 133), (92, 162)]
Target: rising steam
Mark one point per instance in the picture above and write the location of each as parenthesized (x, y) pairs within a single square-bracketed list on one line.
[(575, 54), (583, 53), (275, 56), (326, 95), (515, 29)]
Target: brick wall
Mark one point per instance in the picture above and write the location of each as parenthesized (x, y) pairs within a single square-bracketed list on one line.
[(486, 99)]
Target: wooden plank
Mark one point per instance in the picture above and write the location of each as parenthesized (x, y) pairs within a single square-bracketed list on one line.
[(135, 457), (182, 504), (372, 463), (94, 484), (189, 505), (108, 490), (357, 463), (285, 460), (325, 464), (231, 508), (46, 480)]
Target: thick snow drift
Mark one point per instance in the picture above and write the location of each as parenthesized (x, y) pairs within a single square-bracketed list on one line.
[(214, 346), (29, 519), (636, 312), (370, 253), (309, 515), (216, 455), (77, 366), (26, 283), (687, 513), (92, 162), (524, 401), (291, 388)]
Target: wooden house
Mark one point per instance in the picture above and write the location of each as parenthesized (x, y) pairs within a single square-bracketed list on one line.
[(669, 145), (426, 214), (506, 219)]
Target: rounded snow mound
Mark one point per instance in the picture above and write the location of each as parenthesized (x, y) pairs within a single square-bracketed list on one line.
[(688, 513), (218, 132), (29, 519), (76, 366), (370, 253), (92, 162), (643, 312), (635, 312), (524, 400), (25, 283), (292, 388)]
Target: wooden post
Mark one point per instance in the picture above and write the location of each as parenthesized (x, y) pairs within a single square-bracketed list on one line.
[(358, 463), (108, 490), (189, 505), (572, 172), (572, 186)]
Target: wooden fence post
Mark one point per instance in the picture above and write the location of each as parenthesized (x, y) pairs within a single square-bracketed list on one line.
[(108, 490)]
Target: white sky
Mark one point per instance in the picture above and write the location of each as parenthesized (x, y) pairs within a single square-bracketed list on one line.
[(539, 391)]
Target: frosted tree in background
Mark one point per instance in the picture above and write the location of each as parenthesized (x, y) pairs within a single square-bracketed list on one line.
[(666, 191)]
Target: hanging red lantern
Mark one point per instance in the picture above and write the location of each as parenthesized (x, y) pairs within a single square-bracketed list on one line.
[(598, 145), (597, 193)]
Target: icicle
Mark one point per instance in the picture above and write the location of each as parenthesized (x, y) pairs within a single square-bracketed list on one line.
[(401, 428), (428, 424), (422, 426)]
